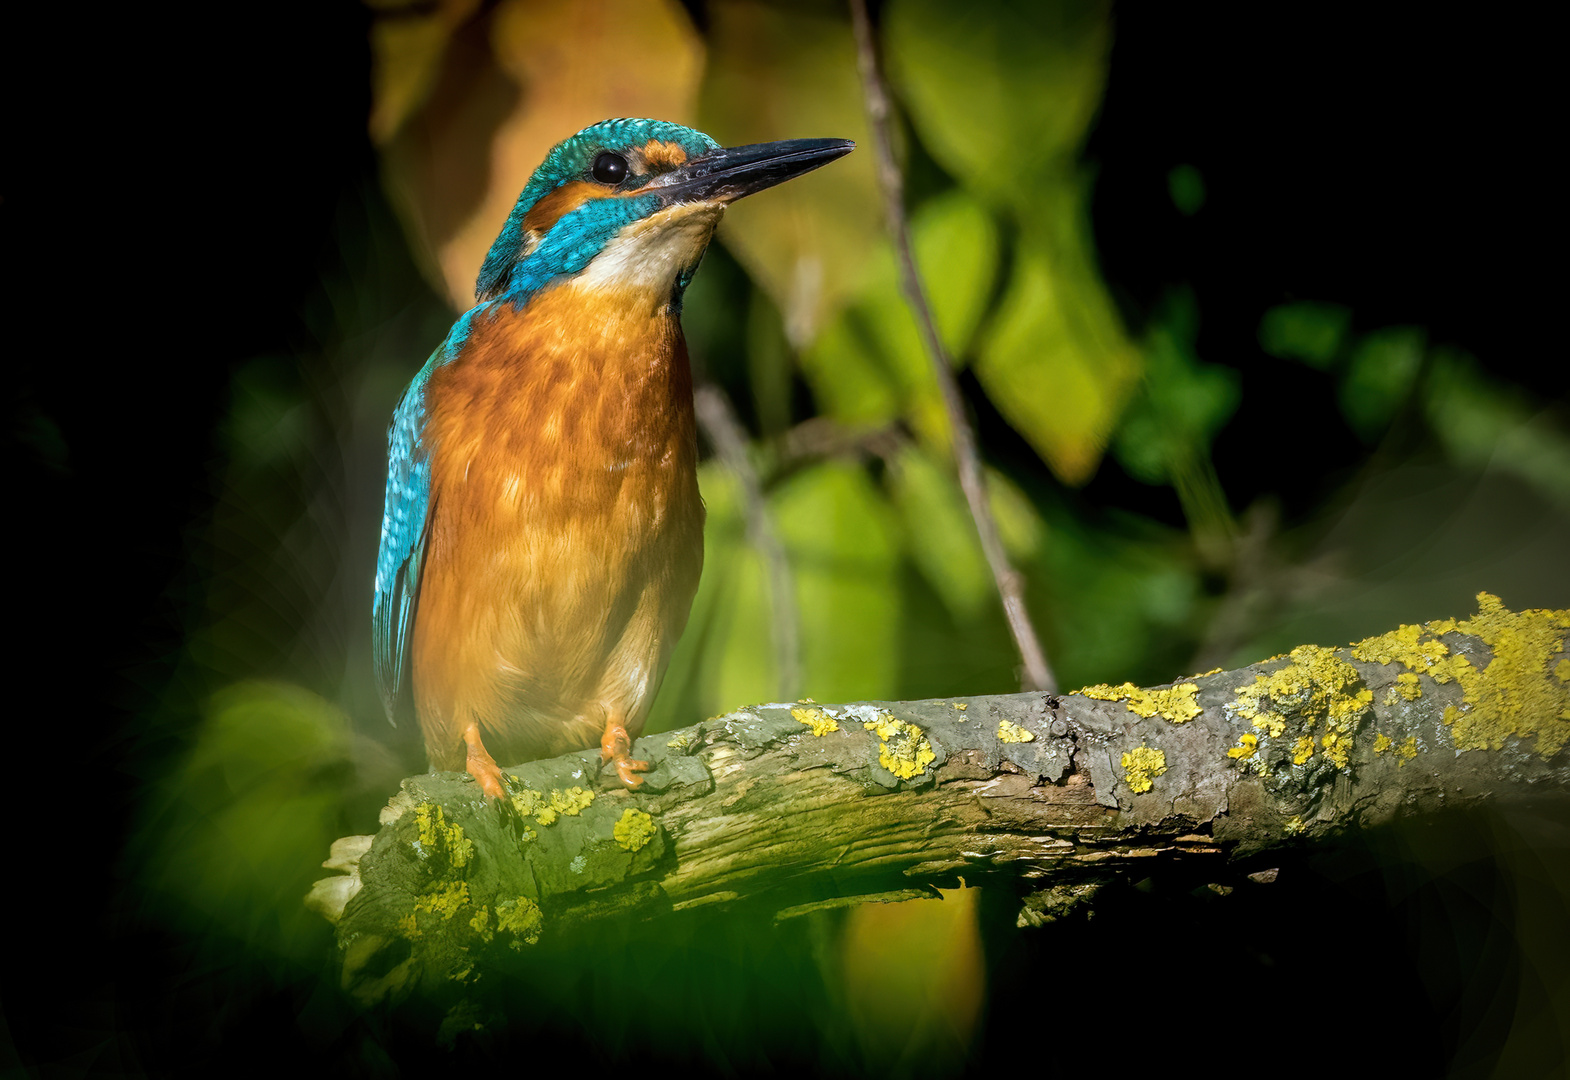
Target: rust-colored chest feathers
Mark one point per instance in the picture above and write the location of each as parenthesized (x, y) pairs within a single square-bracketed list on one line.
[(565, 529)]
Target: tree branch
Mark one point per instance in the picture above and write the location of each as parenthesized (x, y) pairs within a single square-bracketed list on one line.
[(796, 806), (967, 458)]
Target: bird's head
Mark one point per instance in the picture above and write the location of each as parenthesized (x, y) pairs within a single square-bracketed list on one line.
[(632, 204)]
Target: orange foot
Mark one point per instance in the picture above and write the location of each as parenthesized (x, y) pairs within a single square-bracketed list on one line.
[(482, 766), (616, 747)]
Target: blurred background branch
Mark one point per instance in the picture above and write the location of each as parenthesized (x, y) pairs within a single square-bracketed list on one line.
[(1037, 675)]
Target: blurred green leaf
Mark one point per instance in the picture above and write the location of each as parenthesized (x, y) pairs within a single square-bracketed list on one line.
[(1019, 522), (843, 539), (1305, 331), (1182, 402), (1485, 424), (1129, 591), (779, 72), (870, 366), (1002, 95), (1056, 362), (1186, 186), (940, 532), (1379, 378), (1002, 92), (249, 817)]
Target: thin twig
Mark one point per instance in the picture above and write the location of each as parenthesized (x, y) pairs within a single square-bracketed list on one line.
[(725, 434), (1010, 584)]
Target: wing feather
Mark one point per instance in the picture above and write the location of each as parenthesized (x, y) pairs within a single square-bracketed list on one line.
[(406, 516)]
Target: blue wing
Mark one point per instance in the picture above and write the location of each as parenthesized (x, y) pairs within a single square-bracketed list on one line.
[(404, 518), (404, 515)]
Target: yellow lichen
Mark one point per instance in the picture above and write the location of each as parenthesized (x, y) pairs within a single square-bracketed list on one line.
[(547, 808), (1407, 686), (443, 901), (1140, 764), (902, 748), (572, 802), (526, 802), (1247, 746), (1510, 698), (1013, 733), (481, 923), (1381, 743), (1315, 687), (434, 834), (962, 706), (678, 743), (634, 829), (1294, 825), (819, 721), (1405, 645), (1175, 703), (1513, 697), (522, 918), (1303, 750), (1407, 750)]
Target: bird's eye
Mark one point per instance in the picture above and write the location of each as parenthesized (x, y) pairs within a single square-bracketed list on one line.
[(609, 168)]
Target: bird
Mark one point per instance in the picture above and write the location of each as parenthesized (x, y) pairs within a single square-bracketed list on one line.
[(542, 532)]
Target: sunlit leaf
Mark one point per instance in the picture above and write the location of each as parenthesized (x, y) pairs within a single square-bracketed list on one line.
[(779, 72), (870, 366), (510, 82), (1002, 92), (1056, 363)]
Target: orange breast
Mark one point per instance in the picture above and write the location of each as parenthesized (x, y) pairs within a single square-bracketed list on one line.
[(566, 530)]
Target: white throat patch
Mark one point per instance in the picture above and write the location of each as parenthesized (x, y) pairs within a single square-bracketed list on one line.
[(650, 253)]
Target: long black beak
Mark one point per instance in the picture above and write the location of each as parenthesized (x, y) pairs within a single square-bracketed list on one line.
[(727, 174)]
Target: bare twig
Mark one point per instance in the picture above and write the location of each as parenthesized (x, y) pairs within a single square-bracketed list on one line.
[(725, 434), (1010, 584)]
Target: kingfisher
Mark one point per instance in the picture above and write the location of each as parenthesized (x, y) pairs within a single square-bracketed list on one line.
[(542, 535)]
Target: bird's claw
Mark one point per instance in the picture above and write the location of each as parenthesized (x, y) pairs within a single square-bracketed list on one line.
[(616, 748), (482, 766)]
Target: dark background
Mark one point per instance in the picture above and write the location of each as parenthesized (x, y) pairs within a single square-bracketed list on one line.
[(178, 190)]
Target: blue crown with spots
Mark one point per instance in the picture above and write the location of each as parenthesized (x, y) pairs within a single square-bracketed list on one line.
[(570, 159)]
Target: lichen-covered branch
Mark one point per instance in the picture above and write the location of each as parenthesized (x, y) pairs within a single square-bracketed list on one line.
[(798, 805)]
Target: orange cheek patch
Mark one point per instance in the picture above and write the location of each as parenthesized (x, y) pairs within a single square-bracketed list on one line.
[(554, 206), (663, 155)]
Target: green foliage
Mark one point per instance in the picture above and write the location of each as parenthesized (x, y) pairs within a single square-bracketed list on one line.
[(1186, 186), (1309, 332), (239, 829), (869, 367)]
